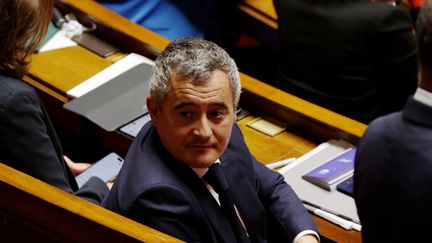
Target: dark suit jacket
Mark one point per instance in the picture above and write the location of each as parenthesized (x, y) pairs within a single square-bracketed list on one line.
[(355, 57), (393, 176), (29, 143), (159, 191)]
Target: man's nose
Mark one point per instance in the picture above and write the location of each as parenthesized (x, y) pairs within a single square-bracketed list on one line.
[(203, 128)]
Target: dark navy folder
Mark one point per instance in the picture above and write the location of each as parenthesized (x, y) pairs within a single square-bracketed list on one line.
[(347, 186)]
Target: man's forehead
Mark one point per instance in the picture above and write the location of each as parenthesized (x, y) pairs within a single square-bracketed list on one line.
[(191, 103), (217, 80), (191, 75)]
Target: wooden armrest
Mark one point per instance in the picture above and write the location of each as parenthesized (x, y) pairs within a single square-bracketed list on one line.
[(36, 211)]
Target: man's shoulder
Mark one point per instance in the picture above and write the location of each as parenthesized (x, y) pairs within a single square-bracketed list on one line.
[(375, 8), (382, 131), (382, 16), (385, 123), (148, 163)]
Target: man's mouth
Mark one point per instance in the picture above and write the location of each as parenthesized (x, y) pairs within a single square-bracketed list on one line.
[(201, 145)]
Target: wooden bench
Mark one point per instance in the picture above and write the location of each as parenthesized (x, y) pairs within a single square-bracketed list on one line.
[(34, 211)]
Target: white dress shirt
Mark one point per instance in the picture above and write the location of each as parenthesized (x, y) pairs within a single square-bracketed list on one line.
[(423, 96)]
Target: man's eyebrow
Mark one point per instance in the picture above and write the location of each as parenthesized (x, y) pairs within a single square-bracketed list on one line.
[(189, 103), (183, 104), (220, 104)]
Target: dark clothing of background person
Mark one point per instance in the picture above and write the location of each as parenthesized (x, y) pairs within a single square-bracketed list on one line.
[(393, 176), (357, 58), (29, 143)]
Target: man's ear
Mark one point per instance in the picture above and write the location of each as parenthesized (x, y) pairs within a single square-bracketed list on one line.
[(153, 110)]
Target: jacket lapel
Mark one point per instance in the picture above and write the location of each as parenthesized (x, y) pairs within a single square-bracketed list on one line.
[(246, 200)]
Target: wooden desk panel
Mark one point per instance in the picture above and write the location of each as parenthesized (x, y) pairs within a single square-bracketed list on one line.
[(264, 7), (261, 10), (63, 69), (307, 124), (258, 20), (275, 102), (33, 211), (270, 149)]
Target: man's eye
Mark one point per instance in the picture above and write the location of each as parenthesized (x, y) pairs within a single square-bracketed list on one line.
[(185, 114), (217, 114)]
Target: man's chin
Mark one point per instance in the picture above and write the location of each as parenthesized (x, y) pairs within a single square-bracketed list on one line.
[(202, 161), (203, 164)]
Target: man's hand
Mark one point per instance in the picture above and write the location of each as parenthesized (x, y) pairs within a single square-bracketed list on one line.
[(76, 168)]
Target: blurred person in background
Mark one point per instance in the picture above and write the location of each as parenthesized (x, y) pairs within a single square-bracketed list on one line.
[(28, 140)]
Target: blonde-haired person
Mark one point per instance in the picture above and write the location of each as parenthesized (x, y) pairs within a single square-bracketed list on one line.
[(28, 140)]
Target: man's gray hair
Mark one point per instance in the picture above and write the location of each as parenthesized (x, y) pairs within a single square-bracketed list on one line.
[(193, 60)]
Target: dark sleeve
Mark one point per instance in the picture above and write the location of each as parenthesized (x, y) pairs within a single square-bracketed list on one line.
[(395, 49), (29, 144), (286, 215), (94, 190), (169, 210)]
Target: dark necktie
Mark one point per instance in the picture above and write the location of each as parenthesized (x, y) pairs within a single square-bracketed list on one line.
[(216, 178)]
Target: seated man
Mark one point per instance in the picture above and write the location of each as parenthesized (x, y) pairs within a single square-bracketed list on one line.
[(393, 169), (189, 173)]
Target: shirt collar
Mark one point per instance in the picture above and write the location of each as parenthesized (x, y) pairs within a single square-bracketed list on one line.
[(201, 171), (423, 96)]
